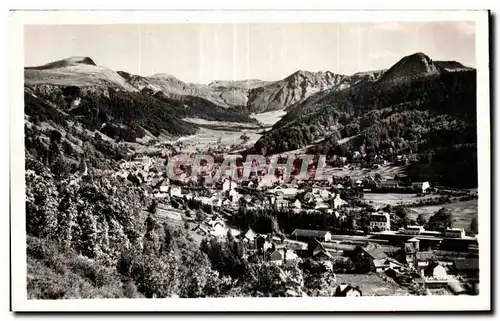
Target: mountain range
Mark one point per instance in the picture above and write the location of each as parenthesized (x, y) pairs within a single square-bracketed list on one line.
[(247, 96)]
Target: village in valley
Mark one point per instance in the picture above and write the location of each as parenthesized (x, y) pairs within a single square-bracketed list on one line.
[(371, 231)]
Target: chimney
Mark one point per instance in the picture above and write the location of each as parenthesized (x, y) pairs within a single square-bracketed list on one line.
[(284, 255)]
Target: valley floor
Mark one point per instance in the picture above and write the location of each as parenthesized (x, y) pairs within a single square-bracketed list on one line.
[(229, 134)]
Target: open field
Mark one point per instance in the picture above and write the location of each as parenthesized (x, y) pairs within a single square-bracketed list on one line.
[(269, 118), (208, 137), (216, 123), (393, 199), (226, 133), (372, 284), (462, 212)]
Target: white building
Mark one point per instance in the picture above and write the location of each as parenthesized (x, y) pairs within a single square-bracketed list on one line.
[(326, 195), (322, 236), (165, 185), (320, 205), (175, 191), (421, 187), (160, 195), (281, 256), (338, 202), (380, 220), (218, 230), (280, 204), (297, 204)]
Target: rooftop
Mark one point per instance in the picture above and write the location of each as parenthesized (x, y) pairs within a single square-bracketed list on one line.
[(374, 251), (309, 233)]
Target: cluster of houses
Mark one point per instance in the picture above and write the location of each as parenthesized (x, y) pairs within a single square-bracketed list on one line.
[(458, 273), (214, 225), (315, 198), (370, 183), (262, 193), (270, 192), (266, 191), (372, 160), (278, 250)]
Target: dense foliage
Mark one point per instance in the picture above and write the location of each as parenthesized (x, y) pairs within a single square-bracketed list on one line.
[(192, 106), (433, 115), (118, 114), (440, 221), (92, 231), (286, 221)]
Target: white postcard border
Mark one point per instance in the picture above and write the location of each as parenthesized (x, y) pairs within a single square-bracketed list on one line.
[(412, 303)]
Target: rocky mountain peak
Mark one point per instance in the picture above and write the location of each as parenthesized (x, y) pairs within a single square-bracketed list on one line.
[(417, 64)]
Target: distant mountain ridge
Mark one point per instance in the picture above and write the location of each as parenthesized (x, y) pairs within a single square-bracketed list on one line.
[(291, 90), (71, 61), (418, 104), (297, 93), (75, 71), (244, 84), (118, 104), (246, 96)]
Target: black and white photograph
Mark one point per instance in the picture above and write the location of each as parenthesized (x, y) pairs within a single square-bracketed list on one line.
[(250, 160)]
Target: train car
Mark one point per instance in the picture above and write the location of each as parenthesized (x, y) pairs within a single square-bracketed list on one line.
[(413, 230), (458, 233)]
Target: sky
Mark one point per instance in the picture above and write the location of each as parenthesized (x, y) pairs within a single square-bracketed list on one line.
[(201, 53)]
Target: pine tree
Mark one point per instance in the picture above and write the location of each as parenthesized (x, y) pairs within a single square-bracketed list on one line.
[(86, 240), (473, 226), (151, 238), (421, 220)]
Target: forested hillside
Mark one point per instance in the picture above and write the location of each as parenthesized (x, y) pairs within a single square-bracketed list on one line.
[(374, 108), (91, 233), (116, 113), (432, 113), (193, 106)]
